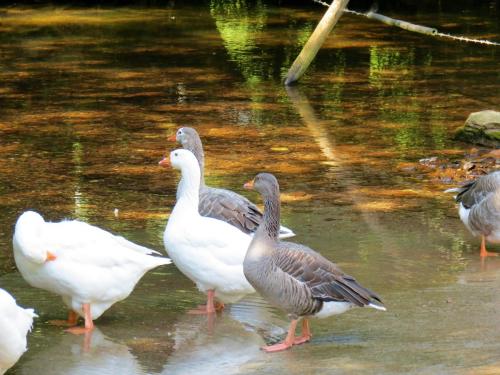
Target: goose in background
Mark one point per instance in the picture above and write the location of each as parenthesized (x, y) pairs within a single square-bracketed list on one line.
[(208, 251), (15, 323), (90, 268), (294, 277), (479, 208), (222, 204)]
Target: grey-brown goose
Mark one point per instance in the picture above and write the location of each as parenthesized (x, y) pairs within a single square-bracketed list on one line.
[(294, 277), (223, 204), (480, 208)]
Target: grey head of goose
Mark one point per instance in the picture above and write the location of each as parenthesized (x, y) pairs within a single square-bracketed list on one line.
[(190, 140)]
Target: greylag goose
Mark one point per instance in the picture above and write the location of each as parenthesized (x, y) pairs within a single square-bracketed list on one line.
[(294, 277), (15, 322), (479, 208), (223, 204), (208, 251), (88, 267)]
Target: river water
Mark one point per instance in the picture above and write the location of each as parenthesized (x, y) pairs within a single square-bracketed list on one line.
[(89, 97)]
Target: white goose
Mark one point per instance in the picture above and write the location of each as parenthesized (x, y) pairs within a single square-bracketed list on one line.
[(208, 251), (89, 268), (15, 322)]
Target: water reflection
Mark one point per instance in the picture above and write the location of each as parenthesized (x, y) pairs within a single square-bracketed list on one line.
[(93, 354), (89, 96)]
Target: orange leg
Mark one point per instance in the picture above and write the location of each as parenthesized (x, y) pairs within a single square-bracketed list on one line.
[(209, 308), (287, 343), (219, 307), (72, 320), (89, 324), (484, 252), (306, 333)]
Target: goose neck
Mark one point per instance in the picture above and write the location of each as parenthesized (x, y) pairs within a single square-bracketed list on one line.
[(196, 148), (271, 220), (188, 191)]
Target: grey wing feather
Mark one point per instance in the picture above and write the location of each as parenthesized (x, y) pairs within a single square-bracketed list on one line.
[(484, 218), (230, 207), (474, 192), (325, 280)]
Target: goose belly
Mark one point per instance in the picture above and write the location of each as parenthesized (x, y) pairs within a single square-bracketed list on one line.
[(207, 270), (333, 308)]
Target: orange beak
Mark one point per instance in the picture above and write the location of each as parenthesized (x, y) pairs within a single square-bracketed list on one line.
[(172, 138), (50, 257), (249, 185), (165, 162)]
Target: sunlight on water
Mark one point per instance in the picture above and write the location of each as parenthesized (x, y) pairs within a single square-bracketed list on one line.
[(89, 97)]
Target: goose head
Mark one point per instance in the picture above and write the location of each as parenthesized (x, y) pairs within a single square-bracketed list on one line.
[(186, 162), (187, 137), (264, 183), (27, 232), (190, 140)]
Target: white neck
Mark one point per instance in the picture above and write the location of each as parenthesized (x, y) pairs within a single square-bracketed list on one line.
[(188, 190)]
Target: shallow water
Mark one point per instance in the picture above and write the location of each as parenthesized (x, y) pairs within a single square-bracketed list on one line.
[(90, 96)]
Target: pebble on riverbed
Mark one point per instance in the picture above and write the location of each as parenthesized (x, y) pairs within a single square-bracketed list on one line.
[(474, 163)]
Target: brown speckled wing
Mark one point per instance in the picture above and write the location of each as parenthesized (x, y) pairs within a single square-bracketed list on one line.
[(230, 207), (324, 279)]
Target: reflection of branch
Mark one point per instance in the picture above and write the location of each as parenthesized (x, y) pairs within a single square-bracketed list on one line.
[(306, 111), (315, 126)]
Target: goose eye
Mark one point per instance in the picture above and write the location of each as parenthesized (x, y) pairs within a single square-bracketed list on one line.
[(175, 154)]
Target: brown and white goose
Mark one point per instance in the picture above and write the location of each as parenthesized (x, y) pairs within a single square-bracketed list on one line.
[(480, 208), (222, 204), (294, 277)]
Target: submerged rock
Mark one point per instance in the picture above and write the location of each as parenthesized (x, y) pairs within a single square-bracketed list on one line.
[(481, 128)]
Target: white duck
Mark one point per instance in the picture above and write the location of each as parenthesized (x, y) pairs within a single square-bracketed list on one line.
[(89, 268), (208, 251), (15, 322)]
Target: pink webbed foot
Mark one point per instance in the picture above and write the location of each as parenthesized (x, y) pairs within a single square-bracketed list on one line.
[(301, 340), (277, 347), (211, 307), (89, 324)]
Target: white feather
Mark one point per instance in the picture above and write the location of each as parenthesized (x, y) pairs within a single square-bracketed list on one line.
[(15, 323), (91, 266)]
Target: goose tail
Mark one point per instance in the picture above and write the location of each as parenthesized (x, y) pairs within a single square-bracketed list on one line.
[(285, 232), (376, 306)]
